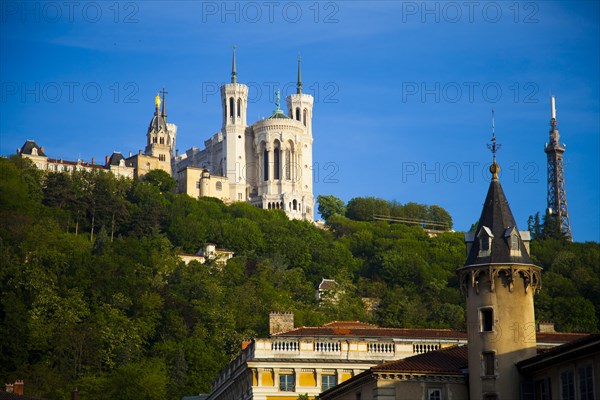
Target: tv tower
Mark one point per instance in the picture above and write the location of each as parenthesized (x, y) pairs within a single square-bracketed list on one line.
[(557, 195)]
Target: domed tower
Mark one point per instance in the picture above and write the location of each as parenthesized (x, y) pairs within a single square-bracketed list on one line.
[(300, 109), (499, 280), (161, 136), (234, 99)]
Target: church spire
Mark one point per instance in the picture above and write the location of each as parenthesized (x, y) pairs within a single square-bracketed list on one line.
[(299, 84), (494, 147), (233, 68)]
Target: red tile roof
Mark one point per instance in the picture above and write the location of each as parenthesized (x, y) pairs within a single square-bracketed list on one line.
[(559, 337), (449, 360), (374, 331)]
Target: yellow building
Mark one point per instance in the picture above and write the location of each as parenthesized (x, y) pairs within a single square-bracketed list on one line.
[(309, 360)]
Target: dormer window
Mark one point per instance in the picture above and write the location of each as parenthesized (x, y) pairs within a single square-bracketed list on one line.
[(512, 237), (34, 152), (485, 241)]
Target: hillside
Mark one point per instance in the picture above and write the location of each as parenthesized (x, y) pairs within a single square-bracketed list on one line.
[(94, 295)]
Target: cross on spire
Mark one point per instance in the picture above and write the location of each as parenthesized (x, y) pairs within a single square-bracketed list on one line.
[(164, 103)]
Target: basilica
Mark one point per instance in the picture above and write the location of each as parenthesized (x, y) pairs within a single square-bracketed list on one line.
[(267, 163)]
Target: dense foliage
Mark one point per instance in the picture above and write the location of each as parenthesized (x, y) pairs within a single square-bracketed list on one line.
[(93, 295)]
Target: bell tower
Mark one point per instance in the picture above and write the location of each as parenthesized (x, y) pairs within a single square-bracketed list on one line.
[(234, 100), (300, 108), (499, 281), (160, 135)]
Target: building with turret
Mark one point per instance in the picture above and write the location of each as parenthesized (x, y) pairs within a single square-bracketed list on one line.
[(267, 163)]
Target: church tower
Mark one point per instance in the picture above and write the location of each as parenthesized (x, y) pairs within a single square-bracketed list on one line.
[(300, 108), (499, 280), (234, 99), (160, 141)]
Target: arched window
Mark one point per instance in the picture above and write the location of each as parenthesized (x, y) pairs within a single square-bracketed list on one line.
[(276, 162), (304, 116), (298, 114), (269, 206), (266, 165), (294, 205), (231, 107), (162, 140), (219, 186), (288, 164), (147, 166), (239, 107)]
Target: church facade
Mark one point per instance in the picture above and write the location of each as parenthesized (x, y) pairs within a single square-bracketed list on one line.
[(267, 163)]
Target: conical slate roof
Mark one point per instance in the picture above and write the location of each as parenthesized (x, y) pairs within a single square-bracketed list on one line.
[(497, 219)]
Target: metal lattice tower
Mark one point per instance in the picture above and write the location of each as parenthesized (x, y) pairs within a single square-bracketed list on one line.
[(557, 195)]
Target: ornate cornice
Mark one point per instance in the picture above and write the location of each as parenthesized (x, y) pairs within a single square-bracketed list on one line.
[(509, 273)]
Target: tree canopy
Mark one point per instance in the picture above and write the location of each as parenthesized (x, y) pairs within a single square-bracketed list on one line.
[(93, 293)]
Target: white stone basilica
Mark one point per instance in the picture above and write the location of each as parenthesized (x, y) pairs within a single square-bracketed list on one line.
[(267, 163)]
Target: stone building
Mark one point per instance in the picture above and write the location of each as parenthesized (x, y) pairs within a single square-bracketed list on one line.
[(267, 163)]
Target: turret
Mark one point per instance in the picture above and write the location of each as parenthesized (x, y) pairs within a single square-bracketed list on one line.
[(499, 280)]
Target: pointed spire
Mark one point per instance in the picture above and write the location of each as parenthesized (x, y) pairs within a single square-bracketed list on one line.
[(494, 147), (164, 103), (233, 68), (299, 84)]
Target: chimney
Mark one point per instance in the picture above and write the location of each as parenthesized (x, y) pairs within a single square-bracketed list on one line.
[(75, 394), (41, 149), (139, 152), (546, 327), (245, 344), (18, 387), (92, 160), (9, 388), (130, 154), (280, 322), (106, 160)]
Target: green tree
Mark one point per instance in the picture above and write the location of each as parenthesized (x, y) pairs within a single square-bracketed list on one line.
[(161, 179), (330, 205)]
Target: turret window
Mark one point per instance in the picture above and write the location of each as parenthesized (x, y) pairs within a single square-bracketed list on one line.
[(512, 237), (304, 117), (297, 114), (239, 107), (486, 320), (434, 394), (488, 359)]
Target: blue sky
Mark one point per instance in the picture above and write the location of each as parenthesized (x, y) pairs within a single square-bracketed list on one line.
[(403, 90)]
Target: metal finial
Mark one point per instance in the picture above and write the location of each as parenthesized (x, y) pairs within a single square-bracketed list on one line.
[(299, 84), (494, 147), (233, 67)]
